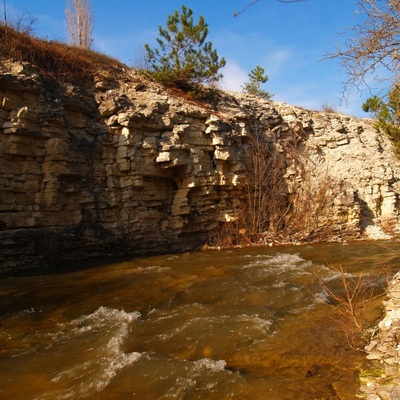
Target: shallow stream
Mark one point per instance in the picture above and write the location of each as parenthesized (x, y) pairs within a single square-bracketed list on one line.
[(230, 324)]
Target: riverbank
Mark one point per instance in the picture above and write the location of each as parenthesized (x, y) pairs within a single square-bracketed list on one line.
[(383, 382)]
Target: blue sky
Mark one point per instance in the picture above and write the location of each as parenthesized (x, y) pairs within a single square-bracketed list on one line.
[(288, 40)]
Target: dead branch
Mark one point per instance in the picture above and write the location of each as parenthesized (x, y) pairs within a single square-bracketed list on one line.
[(371, 50), (256, 1)]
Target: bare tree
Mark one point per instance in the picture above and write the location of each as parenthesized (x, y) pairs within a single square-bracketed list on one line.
[(22, 21), (372, 48), (80, 22), (5, 12)]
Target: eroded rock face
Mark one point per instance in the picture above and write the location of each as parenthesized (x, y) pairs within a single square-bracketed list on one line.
[(361, 164), (383, 382), (129, 169)]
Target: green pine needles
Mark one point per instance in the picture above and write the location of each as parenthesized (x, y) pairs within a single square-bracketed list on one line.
[(183, 58), (387, 114), (257, 77)]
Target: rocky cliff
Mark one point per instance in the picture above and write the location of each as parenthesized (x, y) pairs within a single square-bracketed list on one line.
[(383, 381), (124, 166)]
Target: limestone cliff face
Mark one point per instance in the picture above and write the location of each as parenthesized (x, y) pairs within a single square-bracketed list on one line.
[(124, 167)]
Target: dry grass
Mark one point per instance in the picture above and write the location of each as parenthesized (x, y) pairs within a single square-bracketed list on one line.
[(327, 108), (55, 60)]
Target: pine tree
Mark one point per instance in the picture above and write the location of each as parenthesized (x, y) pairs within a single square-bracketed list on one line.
[(257, 77), (387, 113), (183, 57)]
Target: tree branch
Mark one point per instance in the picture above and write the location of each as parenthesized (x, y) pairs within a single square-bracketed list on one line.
[(256, 1)]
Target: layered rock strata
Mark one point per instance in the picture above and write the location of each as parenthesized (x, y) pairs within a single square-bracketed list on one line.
[(383, 381), (125, 167)]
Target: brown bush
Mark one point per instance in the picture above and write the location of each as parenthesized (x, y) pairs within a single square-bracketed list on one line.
[(53, 59), (350, 302), (265, 189), (276, 207), (311, 217), (328, 108)]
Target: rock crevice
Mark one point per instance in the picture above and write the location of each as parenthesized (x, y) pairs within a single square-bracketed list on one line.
[(128, 168)]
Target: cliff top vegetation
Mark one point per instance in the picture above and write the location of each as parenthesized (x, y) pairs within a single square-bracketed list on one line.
[(183, 58), (56, 60)]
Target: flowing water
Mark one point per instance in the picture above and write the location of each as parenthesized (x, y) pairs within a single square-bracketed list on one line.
[(240, 324)]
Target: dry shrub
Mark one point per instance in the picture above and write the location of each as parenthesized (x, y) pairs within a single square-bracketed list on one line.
[(255, 219), (264, 192), (53, 59), (279, 206), (229, 235), (350, 300), (328, 108), (263, 196), (389, 226), (312, 208)]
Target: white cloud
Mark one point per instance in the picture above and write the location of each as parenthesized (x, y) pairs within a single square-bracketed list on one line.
[(234, 77), (276, 61)]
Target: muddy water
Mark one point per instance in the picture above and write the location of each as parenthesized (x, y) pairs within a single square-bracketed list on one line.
[(240, 324)]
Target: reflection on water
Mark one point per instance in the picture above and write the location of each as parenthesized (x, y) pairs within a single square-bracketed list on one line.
[(240, 324)]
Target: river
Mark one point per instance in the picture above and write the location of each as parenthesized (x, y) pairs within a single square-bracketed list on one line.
[(231, 324)]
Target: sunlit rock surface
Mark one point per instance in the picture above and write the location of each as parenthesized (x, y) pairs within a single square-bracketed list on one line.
[(383, 382), (127, 167)]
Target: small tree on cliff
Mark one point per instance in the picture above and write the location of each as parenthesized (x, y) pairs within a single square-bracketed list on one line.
[(257, 77), (80, 22), (387, 113), (183, 56)]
